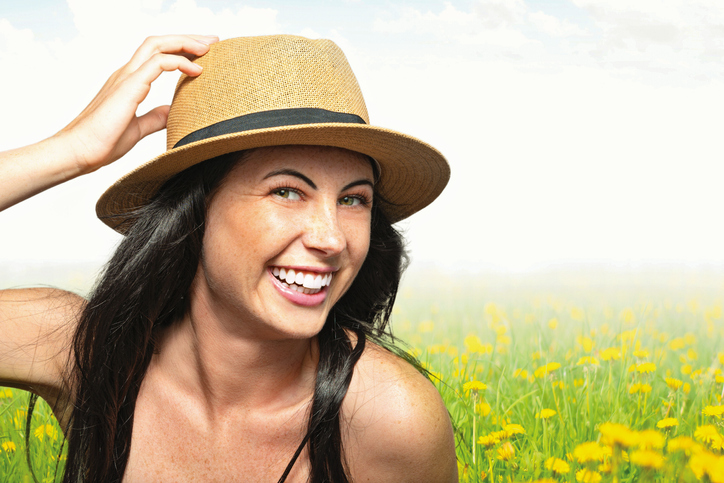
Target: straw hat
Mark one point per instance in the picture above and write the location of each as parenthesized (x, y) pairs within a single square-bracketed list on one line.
[(272, 91)]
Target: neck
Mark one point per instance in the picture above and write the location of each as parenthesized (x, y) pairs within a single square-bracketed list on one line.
[(227, 368)]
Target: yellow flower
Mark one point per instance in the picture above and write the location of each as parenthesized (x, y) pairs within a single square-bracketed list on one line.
[(553, 323), (641, 354), (483, 408), (647, 458), (715, 411), (545, 413), (646, 367), (46, 430), (587, 360), (8, 446), (686, 369), (585, 342), (543, 371), (612, 353), (426, 326), (522, 373), (707, 463), (708, 434), (513, 429), (649, 438), (506, 452), (645, 388), (488, 440), (667, 423), (674, 384), (586, 452), (557, 466), (617, 435), (680, 443), (474, 386), (686, 388), (634, 388), (588, 476)]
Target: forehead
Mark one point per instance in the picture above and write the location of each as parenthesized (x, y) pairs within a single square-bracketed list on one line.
[(317, 161)]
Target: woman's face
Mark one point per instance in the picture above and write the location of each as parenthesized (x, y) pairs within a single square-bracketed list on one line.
[(286, 234)]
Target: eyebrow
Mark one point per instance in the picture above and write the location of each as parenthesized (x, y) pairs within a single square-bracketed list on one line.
[(297, 174)]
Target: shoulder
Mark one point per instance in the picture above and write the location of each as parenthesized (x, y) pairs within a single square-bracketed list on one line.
[(398, 428), (38, 326)]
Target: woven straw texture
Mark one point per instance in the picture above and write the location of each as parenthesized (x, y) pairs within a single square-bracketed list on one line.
[(250, 75)]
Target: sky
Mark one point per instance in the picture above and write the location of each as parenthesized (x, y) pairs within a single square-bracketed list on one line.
[(578, 131)]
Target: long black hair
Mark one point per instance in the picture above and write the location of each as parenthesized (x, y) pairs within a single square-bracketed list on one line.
[(145, 287)]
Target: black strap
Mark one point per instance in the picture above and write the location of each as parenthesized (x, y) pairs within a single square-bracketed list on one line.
[(266, 119)]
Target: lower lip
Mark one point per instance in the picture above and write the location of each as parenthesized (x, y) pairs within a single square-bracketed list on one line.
[(305, 299)]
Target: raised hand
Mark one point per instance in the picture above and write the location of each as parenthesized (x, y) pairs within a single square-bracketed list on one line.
[(108, 127)]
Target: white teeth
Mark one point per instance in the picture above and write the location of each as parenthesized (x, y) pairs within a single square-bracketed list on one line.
[(313, 283), (290, 277)]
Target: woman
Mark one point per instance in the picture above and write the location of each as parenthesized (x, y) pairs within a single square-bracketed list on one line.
[(227, 338)]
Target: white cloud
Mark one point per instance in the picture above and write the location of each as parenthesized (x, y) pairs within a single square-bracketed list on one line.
[(554, 27), (489, 24)]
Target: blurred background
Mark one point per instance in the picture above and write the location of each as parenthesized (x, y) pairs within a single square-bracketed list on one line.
[(584, 136)]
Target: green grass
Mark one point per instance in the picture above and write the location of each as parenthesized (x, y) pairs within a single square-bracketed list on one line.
[(466, 330)]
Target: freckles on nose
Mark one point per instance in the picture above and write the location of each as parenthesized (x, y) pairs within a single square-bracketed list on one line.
[(324, 233)]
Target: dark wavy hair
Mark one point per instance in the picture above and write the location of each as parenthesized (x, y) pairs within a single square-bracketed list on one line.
[(145, 287)]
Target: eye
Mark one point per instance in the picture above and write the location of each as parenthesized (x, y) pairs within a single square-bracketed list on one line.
[(287, 193), (353, 200)]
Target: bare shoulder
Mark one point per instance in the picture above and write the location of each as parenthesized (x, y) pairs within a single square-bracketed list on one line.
[(37, 326), (398, 428)]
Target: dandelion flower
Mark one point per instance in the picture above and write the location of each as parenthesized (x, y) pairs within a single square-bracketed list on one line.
[(646, 367), (588, 476), (474, 386), (587, 360), (8, 447), (586, 452), (488, 440), (543, 371), (649, 438), (715, 411), (545, 413), (674, 384), (647, 458), (611, 354), (513, 429), (641, 354), (617, 435), (667, 423), (557, 466), (506, 452), (709, 435), (483, 408), (680, 443)]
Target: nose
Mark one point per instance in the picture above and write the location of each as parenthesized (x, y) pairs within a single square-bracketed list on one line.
[(323, 232)]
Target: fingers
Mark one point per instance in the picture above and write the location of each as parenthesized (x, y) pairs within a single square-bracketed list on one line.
[(153, 121), (189, 46)]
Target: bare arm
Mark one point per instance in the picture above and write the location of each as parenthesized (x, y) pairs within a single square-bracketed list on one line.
[(107, 129), (37, 325)]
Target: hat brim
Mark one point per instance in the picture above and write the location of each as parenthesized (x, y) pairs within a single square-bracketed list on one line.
[(412, 173)]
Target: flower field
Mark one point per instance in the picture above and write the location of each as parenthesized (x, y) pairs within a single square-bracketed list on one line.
[(568, 384)]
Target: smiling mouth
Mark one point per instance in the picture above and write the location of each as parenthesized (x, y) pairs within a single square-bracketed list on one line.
[(303, 282)]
